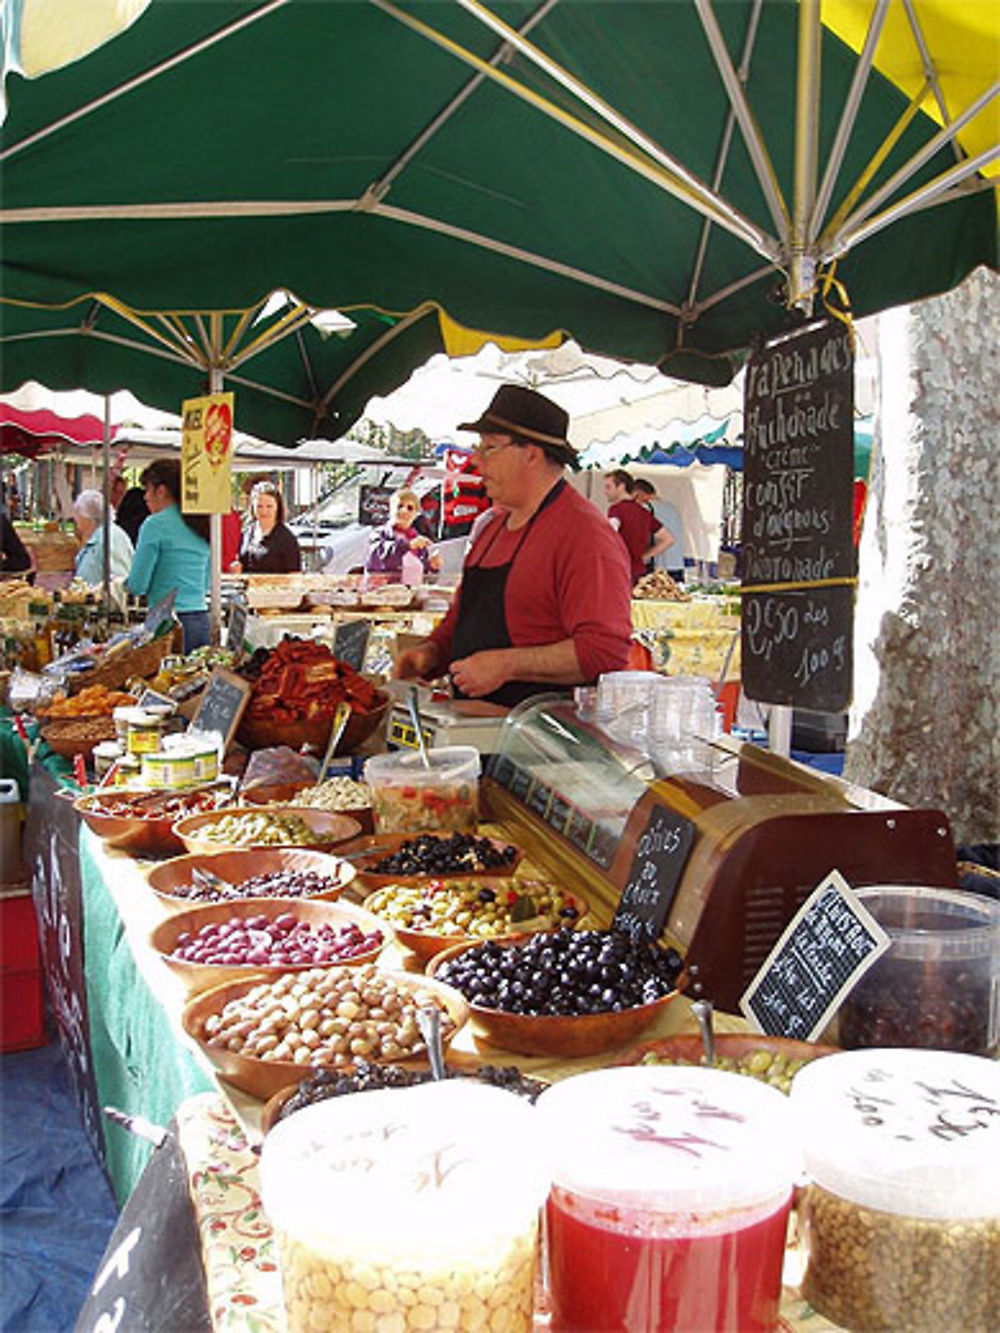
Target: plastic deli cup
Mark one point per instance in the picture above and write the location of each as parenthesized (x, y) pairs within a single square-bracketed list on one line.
[(902, 1212), (417, 1207), (670, 1200), (938, 983), (407, 796)]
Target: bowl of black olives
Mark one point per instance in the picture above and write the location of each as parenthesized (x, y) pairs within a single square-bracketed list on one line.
[(563, 993), (413, 858)]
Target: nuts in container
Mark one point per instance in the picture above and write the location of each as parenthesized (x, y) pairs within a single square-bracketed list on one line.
[(335, 794), (902, 1213), (326, 1016)]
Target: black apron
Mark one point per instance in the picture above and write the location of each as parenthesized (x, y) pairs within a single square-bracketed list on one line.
[(481, 623)]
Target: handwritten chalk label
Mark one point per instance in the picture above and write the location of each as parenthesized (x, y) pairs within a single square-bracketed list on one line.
[(580, 830), (350, 642), (539, 799), (162, 611), (237, 628), (559, 812), (661, 852), (826, 948), (798, 487), (520, 782), (221, 706), (153, 699), (374, 505), (501, 769)]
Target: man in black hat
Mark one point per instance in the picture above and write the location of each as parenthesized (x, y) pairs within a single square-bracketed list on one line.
[(545, 597)]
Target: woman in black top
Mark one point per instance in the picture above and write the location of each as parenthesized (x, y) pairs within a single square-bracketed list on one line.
[(14, 558), (268, 546)]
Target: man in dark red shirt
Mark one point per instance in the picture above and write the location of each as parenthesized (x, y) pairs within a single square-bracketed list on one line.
[(545, 597), (641, 531)]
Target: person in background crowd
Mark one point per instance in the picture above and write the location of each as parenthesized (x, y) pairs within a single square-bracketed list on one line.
[(544, 600), (129, 504), (672, 557), (14, 557), (173, 553), (268, 546), (388, 544), (643, 534), (88, 516)]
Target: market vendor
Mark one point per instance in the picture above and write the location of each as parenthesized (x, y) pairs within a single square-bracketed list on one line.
[(389, 544), (269, 546), (173, 554), (88, 518), (544, 600), (14, 557), (638, 527)]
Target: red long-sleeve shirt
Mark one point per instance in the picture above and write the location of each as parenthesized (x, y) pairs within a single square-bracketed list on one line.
[(570, 580)]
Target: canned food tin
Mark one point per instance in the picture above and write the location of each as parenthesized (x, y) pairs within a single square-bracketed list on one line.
[(171, 771)]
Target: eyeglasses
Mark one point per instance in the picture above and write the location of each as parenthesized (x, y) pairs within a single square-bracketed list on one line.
[(487, 450)]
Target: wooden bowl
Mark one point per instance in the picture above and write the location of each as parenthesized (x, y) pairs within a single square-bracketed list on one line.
[(330, 827), (139, 835), (200, 976), (263, 1078), (258, 733), (387, 843), (426, 944), (554, 1034), (285, 793), (237, 866), (687, 1049)]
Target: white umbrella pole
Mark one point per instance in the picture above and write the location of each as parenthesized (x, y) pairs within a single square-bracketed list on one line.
[(106, 560), (215, 541)]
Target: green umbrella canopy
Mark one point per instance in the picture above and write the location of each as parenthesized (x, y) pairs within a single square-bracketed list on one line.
[(386, 156)]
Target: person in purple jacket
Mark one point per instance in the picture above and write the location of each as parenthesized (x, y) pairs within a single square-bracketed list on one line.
[(388, 544)]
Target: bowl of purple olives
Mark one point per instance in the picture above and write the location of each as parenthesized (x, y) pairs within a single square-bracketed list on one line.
[(265, 872), (220, 942), (564, 993), (413, 858)]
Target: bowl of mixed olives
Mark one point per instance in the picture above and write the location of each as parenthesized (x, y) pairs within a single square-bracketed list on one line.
[(266, 826), (563, 993), (433, 915), (264, 872), (217, 942), (773, 1060)]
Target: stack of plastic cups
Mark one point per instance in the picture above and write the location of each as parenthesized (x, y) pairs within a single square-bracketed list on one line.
[(682, 713), (623, 705)]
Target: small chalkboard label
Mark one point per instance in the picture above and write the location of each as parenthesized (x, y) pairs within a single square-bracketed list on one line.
[(539, 799), (501, 770), (236, 631), (162, 611), (559, 812), (350, 642), (152, 699), (603, 845), (797, 530), (825, 950), (520, 782), (374, 505), (661, 851), (221, 706), (580, 830)]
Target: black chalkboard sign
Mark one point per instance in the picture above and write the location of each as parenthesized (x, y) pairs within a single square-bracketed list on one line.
[(539, 799), (222, 704), (151, 1276), (580, 830), (825, 949), (661, 851), (350, 642), (374, 503), (161, 612), (798, 487), (559, 812), (237, 628), (520, 782), (501, 769)]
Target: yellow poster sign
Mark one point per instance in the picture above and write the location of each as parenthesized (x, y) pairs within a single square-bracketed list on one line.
[(206, 454)]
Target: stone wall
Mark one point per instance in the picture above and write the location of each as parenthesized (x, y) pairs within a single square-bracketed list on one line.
[(924, 724)]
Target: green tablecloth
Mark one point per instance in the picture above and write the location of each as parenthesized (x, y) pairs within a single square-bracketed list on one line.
[(139, 1062), (14, 756)]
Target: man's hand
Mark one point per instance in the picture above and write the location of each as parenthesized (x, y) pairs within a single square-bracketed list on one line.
[(420, 543), (418, 662), (482, 673)]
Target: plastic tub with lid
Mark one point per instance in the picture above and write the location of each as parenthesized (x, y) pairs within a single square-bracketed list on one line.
[(902, 1211), (670, 1200), (938, 983), (416, 1205), (408, 797)]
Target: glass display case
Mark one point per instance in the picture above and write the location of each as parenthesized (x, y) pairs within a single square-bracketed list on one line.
[(762, 833)]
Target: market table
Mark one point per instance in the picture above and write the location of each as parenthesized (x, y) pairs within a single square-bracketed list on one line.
[(689, 638)]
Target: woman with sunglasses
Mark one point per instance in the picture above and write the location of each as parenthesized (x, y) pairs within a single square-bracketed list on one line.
[(269, 546), (388, 544)]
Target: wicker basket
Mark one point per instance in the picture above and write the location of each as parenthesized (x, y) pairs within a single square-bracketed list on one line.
[(123, 666), (61, 735)]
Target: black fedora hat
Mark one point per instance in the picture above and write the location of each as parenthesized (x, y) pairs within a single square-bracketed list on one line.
[(516, 410)]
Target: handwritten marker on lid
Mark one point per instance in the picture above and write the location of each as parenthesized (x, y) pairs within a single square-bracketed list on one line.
[(79, 770)]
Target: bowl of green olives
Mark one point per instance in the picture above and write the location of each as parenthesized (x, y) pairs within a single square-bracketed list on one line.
[(266, 826), (773, 1060)]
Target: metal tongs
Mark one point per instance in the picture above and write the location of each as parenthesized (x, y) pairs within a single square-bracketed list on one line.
[(208, 879), (429, 1023), (414, 707), (702, 1010)]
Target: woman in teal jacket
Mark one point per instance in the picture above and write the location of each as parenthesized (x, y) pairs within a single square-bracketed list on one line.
[(172, 553)]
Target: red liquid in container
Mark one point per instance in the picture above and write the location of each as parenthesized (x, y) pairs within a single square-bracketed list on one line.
[(616, 1269)]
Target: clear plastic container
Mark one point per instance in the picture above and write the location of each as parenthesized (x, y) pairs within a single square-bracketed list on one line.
[(413, 1208), (938, 983), (901, 1215), (407, 797), (670, 1200)]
